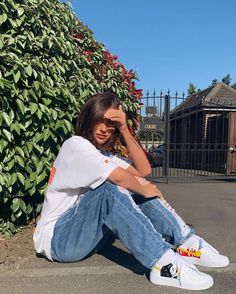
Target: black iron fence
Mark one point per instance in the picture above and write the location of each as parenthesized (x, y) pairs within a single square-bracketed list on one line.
[(189, 137)]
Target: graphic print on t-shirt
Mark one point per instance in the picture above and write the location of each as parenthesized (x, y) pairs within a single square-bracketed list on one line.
[(52, 174)]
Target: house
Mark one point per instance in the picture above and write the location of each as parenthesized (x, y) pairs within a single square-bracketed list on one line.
[(203, 131)]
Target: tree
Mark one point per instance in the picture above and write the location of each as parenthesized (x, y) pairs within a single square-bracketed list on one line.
[(227, 79), (191, 89), (214, 82), (150, 136), (234, 86), (50, 64)]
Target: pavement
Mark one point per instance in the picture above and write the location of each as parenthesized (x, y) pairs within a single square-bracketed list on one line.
[(209, 207)]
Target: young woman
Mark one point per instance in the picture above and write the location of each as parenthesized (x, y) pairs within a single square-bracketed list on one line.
[(92, 194)]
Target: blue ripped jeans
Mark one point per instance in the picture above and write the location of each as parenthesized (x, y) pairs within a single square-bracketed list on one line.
[(147, 227)]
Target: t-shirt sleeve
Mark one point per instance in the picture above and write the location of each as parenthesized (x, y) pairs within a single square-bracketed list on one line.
[(79, 165), (121, 162)]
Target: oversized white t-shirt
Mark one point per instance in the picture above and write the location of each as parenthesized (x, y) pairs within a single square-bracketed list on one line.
[(78, 168)]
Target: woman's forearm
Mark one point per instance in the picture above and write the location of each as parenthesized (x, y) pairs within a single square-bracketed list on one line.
[(137, 154), (123, 178)]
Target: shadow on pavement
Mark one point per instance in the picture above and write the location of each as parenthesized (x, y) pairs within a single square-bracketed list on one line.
[(123, 258)]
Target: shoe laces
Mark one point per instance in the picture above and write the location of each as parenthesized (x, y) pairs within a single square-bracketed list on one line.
[(180, 265)]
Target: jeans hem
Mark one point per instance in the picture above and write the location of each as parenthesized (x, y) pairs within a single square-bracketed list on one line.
[(192, 232), (158, 257)]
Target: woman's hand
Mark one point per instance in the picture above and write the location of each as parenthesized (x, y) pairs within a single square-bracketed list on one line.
[(118, 116), (149, 189), (134, 149)]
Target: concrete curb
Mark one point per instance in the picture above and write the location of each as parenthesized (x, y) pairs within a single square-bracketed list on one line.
[(94, 270)]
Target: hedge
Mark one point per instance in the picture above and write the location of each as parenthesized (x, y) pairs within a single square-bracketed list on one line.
[(50, 63)]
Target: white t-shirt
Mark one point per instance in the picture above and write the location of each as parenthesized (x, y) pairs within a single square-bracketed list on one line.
[(78, 168)]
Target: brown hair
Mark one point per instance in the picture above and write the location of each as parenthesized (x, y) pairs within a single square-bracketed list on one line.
[(92, 113)]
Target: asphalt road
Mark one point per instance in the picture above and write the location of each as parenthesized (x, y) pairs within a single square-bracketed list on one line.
[(210, 208)]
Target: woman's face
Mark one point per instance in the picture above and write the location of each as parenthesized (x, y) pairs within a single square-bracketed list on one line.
[(103, 131)]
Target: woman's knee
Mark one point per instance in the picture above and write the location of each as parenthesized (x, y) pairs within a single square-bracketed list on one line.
[(114, 189), (119, 194)]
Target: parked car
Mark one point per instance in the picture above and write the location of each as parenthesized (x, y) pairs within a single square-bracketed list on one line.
[(156, 155)]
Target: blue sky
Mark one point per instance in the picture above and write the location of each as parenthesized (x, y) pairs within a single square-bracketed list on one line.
[(168, 43)]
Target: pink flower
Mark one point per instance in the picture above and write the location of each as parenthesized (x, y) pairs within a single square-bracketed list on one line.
[(78, 36)]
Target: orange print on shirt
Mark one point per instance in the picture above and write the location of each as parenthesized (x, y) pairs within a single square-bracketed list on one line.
[(52, 174)]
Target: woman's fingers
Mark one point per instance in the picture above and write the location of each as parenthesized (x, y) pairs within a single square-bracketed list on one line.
[(142, 181), (117, 115)]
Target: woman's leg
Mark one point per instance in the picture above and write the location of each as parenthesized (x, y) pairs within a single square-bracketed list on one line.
[(175, 231), (78, 232), (164, 219)]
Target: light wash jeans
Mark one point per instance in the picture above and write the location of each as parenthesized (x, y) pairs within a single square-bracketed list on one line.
[(147, 227)]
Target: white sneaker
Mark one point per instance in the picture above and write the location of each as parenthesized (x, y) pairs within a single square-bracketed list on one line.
[(197, 251), (181, 275)]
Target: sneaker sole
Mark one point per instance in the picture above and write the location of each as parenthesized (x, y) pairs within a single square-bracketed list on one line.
[(174, 283)]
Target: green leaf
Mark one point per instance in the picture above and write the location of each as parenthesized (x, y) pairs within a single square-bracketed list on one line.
[(33, 107), (18, 22), (16, 128), (32, 191), (23, 206), (33, 95), (41, 177), (29, 146), (9, 164), (12, 228), (29, 70), (28, 184), (29, 209), (21, 106), (39, 114), (20, 160), (20, 11), (40, 167), (16, 76), (35, 73), (13, 178), (3, 18), (6, 117), (13, 218), (20, 151), (36, 85), (21, 178), (7, 135), (15, 204), (3, 6), (38, 208), (25, 93), (11, 41), (46, 134), (18, 214), (50, 43), (33, 176)]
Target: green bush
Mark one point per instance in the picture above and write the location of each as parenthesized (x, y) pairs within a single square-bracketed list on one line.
[(50, 64)]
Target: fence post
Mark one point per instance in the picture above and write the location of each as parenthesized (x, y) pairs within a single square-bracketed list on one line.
[(167, 137)]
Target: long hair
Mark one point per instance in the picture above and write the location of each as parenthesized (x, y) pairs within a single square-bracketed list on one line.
[(92, 113)]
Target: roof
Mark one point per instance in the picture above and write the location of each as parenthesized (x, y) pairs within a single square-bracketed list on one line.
[(217, 96)]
